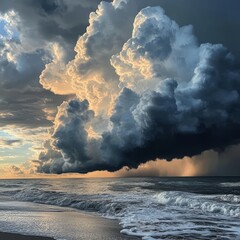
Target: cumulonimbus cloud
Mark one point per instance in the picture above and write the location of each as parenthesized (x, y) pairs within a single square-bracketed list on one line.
[(170, 97)]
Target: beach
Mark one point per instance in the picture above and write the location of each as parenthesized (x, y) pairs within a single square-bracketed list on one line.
[(86, 234), (37, 221), (13, 236), (94, 228)]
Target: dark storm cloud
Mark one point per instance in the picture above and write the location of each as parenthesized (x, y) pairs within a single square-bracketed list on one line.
[(189, 102), (47, 21), (23, 102), (71, 136), (70, 141), (22, 99), (10, 142), (185, 101), (173, 122), (25, 108)]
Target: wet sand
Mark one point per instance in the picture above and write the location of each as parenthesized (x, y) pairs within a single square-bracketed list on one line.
[(61, 223), (12, 236), (93, 236)]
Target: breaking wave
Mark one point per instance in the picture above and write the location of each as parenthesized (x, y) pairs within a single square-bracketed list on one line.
[(205, 203), (113, 206)]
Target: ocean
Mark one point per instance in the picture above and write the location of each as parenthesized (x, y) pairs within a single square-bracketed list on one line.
[(150, 208)]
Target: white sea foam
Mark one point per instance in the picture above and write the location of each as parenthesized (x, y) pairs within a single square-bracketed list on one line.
[(230, 184), (205, 203), (229, 198)]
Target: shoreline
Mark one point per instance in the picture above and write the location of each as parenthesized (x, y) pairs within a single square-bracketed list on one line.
[(112, 235), (16, 236), (62, 223)]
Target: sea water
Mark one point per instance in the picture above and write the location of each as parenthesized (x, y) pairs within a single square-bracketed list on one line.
[(150, 208)]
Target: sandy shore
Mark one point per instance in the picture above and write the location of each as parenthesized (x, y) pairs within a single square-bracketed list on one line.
[(55, 221), (104, 230)]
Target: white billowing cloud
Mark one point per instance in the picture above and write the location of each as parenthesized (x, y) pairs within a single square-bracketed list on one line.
[(158, 49), (54, 76), (22, 97), (90, 74)]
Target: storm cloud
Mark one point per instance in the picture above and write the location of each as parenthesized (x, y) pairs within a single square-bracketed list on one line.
[(121, 85), (31, 30), (174, 97)]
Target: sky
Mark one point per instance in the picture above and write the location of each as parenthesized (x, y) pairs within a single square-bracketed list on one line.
[(119, 89)]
